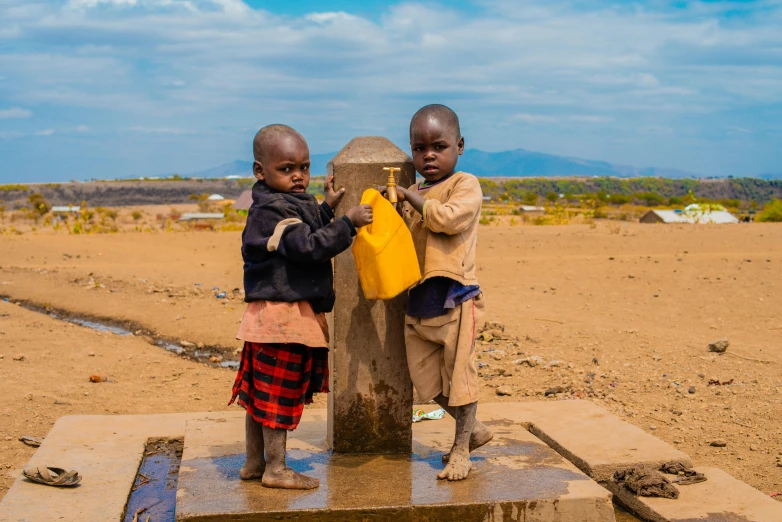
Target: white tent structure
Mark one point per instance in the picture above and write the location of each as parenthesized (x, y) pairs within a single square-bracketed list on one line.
[(215, 197), (693, 214)]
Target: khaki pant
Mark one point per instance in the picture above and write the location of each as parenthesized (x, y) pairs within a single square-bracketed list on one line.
[(441, 353)]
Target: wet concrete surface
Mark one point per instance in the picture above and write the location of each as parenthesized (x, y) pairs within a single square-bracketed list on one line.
[(154, 491), (516, 477)]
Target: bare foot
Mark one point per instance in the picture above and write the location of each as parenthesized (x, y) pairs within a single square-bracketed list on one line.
[(481, 435), (458, 467), (252, 470), (288, 479)]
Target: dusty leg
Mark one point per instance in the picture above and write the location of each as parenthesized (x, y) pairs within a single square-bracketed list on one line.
[(254, 465), (481, 434), (459, 462), (278, 474)]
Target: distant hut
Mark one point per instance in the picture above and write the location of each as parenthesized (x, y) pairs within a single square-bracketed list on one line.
[(215, 197), (202, 220), (63, 211), (244, 201), (693, 214), (531, 209)]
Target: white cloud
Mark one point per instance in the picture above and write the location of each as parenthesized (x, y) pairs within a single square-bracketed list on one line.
[(655, 129), (332, 16), (81, 128), (647, 80), (154, 130), (532, 74), (535, 118), (93, 3), (591, 119), (45, 132), (14, 112)]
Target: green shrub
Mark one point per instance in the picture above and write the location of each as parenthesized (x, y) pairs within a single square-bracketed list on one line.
[(771, 213), (39, 204)]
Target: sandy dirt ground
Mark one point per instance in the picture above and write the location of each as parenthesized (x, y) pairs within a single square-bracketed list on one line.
[(621, 314)]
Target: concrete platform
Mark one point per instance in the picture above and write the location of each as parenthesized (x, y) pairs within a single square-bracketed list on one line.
[(106, 450), (515, 478), (721, 498), (601, 444)]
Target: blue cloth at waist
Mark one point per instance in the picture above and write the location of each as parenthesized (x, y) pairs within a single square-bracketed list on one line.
[(435, 296)]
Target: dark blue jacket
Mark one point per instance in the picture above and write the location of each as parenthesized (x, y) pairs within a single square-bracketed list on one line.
[(287, 247)]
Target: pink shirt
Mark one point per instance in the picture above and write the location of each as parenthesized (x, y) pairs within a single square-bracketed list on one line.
[(286, 323)]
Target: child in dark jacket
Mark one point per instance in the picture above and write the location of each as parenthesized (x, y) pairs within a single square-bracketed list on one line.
[(287, 247)]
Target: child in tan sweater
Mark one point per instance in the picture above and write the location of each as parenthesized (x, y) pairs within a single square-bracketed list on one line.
[(446, 306)]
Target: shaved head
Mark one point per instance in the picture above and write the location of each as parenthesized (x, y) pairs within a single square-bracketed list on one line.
[(268, 136), (440, 113)]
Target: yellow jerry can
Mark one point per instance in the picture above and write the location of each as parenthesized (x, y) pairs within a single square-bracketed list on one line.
[(384, 252)]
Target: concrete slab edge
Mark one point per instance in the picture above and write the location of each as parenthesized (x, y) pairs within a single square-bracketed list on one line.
[(525, 511)]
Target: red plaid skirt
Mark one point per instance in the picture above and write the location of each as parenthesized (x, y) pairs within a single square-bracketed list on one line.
[(275, 381)]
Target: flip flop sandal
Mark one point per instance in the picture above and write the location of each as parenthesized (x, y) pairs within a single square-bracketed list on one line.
[(686, 480), (31, 441), (52, 476)]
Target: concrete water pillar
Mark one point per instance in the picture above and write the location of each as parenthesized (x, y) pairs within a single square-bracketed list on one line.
[(371, 399)]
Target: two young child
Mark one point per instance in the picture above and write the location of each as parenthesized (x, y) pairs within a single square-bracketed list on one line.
[(287, 247)]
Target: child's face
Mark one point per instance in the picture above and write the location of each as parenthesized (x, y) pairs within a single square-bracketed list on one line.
[(436, 148), (287, 165)]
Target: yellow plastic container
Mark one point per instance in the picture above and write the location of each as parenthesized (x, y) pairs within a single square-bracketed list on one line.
[(384, 251)]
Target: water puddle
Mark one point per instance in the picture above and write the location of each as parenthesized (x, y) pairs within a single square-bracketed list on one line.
[(153, 493), (212, 356)]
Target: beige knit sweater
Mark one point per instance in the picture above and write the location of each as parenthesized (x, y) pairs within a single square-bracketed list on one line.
[(446, 236)]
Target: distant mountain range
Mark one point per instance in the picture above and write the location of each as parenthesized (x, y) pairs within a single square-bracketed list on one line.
[(512, 163)]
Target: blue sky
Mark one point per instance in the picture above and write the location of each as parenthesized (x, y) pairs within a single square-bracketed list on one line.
[(114, 88)]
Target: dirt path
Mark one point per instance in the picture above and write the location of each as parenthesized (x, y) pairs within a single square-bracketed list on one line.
[(642, 301)]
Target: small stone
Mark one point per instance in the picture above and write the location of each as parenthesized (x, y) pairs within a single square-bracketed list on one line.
[(9, 438), (486, 337), (186, 344), (718, 443), (200, 345), (555, 363), (657, 357), (28, 396), (496, 356), (554, 391), (238, 351), (494, 325), (196, 398), (691, 389), (91, 354), (652, 427), (719, 346), (19, 358), (1, 356), (504, 390), (531, 361), (753, 448), (216, 358)]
